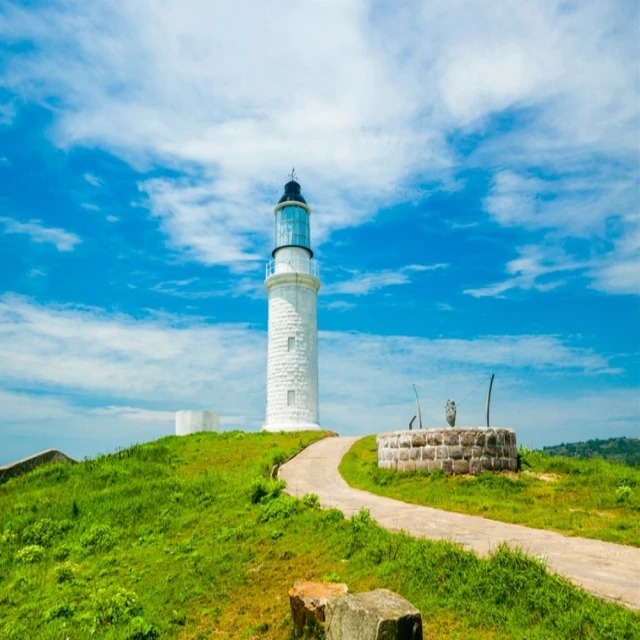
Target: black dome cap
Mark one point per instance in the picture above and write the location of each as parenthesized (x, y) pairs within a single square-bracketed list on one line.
[(292, 193)]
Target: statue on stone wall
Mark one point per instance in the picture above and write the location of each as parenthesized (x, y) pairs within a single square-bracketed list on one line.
[(450, 413)]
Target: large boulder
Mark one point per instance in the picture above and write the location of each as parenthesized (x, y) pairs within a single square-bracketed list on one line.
[(374, 615), (309, 599)]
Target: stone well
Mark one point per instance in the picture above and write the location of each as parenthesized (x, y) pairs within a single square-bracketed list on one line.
[(456, 450)]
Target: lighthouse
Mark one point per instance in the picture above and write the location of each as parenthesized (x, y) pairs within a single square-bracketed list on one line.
[(292, 283)]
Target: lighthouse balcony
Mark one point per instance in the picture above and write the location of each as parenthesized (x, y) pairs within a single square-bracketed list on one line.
[(293, 264)]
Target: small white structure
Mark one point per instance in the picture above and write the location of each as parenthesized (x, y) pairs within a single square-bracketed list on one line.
[(195, 421), (292, 283)]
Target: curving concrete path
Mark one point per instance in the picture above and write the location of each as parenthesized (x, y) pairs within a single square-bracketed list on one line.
[(610, 571)]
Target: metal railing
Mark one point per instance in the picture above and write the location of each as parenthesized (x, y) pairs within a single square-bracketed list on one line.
[(293, 265)]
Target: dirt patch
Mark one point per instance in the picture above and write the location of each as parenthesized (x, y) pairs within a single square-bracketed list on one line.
[(546, 477)]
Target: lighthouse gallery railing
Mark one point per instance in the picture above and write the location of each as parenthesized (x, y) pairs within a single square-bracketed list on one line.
[(293, 265)]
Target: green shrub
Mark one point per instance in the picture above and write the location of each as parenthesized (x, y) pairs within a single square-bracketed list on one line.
[(623, 494), (333, 515), (265, 489), (30, 554), (64, 573), (99, 538), (62, 552), (115, 605), (280, 508), (45, 532), (310, 501), (178, 618), (61, 610), (140, 629)]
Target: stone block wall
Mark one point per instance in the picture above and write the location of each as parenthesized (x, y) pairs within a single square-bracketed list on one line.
[(292, 315), (457, 450)]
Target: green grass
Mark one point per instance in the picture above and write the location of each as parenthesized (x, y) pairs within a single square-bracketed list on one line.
[(590, 498), (189, 538)]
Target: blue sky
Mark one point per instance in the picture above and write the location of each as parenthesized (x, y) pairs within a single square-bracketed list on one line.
[(473, 175)]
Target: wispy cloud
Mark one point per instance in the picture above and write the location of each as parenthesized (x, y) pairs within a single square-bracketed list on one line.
[(89, 351), (363, 283), (63, 240), (571, 211), (90, 207), (93, 180), (127, 375), (7, 113), (539, 268), (340, 305), (193, 288)]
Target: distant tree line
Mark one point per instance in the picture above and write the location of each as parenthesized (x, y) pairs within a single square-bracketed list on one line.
[(624, 450)]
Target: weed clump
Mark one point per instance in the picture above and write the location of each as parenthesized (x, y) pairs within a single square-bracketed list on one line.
[(280, 508), (44, 532), (115, 605), (64, 574), (61, 610), (263, 490), (310, 501), (30, 554), (99, 538)]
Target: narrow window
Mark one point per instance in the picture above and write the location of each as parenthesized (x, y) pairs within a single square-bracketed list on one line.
[(291, 398), (291, 344)]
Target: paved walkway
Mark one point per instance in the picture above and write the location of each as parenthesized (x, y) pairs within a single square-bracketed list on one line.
[(610, 571)]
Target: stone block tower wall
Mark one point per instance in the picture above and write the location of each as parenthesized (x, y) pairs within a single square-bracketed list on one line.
[(292, 284), (292, 362)]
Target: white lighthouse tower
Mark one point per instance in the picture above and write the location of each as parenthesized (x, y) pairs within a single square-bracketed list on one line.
[(292, 283)]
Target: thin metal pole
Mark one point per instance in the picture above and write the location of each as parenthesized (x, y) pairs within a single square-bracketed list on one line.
[(418, 406), (493, 375)]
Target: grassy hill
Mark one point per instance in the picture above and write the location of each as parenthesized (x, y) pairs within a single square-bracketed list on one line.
[(189, 538), (589, 498), (622, 450)]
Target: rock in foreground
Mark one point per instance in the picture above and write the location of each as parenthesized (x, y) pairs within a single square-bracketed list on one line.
[(374, 615), (309, 599)]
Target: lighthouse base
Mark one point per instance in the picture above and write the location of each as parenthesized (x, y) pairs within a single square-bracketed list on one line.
[(275, 427)]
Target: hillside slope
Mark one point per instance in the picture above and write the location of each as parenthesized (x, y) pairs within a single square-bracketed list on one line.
[(190, 538)]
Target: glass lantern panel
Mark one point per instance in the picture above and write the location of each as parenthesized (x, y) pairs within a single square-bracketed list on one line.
[(292, 227)]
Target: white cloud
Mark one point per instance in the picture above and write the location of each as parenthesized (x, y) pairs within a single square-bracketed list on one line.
[(90, 207), (360, 284), (131, 371), (339, 305), (363, 98), (194, 289), (94, 181), (538, 267), (618, 277), (7, 113), (63, 240)]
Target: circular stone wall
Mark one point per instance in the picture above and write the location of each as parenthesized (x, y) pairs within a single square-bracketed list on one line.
[(455, 450)]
